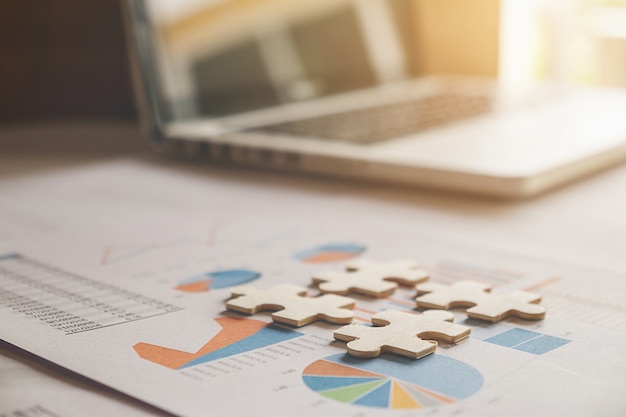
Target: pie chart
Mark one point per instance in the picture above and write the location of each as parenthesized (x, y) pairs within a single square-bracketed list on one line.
[(393, 382), (217, 280), (332, 252)]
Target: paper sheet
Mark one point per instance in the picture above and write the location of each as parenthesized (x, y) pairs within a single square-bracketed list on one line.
[(120, 274)]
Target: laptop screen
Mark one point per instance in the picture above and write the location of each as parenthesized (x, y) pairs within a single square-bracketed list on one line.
[(214, 58)]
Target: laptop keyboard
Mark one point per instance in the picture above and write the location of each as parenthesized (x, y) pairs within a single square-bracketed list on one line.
[(388, 121)]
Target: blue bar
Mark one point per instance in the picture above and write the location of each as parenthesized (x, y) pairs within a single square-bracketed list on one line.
[(513, 337), (542, 344)]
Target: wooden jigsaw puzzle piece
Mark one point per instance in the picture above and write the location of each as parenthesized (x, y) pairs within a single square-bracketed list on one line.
[(520, 304), (290, 304), (371, 278), (483, 304), (445, 297), (351, 282), (401, 333)]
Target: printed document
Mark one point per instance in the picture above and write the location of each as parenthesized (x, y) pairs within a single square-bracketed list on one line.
[(120, 273)]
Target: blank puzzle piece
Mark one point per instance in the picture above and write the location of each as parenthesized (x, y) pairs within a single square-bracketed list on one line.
[(400, 332), (290, 304), (484, 305), (371, 278)]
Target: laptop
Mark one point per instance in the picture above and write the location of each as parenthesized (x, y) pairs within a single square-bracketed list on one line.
[(332, 87)]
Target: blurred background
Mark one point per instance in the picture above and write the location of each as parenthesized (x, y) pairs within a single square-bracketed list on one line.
[(63, 59), (67, 60)]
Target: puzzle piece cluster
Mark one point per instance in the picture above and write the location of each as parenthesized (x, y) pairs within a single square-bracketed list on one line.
[(371, 278), (483, 304), (408, 334)]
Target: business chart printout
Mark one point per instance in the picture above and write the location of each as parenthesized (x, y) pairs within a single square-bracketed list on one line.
[(120, 272), (160, 332)]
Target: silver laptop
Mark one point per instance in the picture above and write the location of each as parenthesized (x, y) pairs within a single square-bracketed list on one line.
[(332, 87)]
